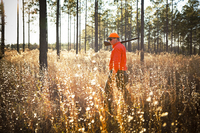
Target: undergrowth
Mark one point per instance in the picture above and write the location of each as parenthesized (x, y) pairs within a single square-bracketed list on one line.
[(163, 93)]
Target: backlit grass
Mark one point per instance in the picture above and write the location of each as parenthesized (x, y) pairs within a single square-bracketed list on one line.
[(162, 94)]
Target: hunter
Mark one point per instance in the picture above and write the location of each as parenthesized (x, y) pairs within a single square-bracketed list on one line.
[(117, 67)]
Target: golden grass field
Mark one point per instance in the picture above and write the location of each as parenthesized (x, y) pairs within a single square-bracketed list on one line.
[(163, 94)]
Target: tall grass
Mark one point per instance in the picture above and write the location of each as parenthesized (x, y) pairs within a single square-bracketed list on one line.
[(163, 94)]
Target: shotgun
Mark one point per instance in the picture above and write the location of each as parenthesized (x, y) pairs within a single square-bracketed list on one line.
[(107, 43)]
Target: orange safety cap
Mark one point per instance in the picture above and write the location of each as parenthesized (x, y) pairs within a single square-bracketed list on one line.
[(113, 35)]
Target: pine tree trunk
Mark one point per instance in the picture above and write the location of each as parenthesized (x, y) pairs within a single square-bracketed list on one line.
[(85, 26), (60, 44), (167, 28), (68, 30), (178, 42), (2, 29), (43, 35), (138, 28), (195, 32), (99, 32), (191, 42), (18, 26), (23, 28), (74, 32), (142, 30), (157, 44), (96, 25), (154, 44), (57, 28), (174, 49), (80, 28), (29, 28), (157, 36), (125, 22), (172, 28), (92, 37), (77, 28)]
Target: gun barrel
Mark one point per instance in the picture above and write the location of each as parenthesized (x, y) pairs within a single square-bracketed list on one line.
[(129, 40), (107, 43)]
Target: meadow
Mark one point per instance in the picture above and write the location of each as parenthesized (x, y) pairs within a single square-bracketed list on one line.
[(163, 94)]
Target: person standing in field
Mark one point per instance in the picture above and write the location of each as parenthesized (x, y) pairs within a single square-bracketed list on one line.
[(117, 67)]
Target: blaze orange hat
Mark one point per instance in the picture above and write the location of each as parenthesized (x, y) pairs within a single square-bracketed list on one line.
[(113, 35)]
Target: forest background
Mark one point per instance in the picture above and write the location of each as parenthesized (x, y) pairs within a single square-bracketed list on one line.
[(159, 17), (62, 90)]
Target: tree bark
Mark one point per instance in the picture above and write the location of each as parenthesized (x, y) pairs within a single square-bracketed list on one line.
[(96, 25), (99, 31), (154, 42), (74, 32), (178, 42), (92, 37), (172, 28), (29, 28), (142, 30), (57, 28), (43, 35), (157, 34), (190, 42), (60, 44), (2, 29), (77, 28), (85, 25), (138, 28), (68, 30), (167, 28), (18, 26), (23, 28)]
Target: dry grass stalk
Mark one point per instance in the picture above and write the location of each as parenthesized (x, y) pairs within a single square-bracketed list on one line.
[(70, 96)]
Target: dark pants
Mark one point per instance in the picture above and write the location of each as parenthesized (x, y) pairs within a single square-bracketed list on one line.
[(121, 81)]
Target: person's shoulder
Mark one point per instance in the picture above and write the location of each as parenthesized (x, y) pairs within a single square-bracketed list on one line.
[(120, 45)]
